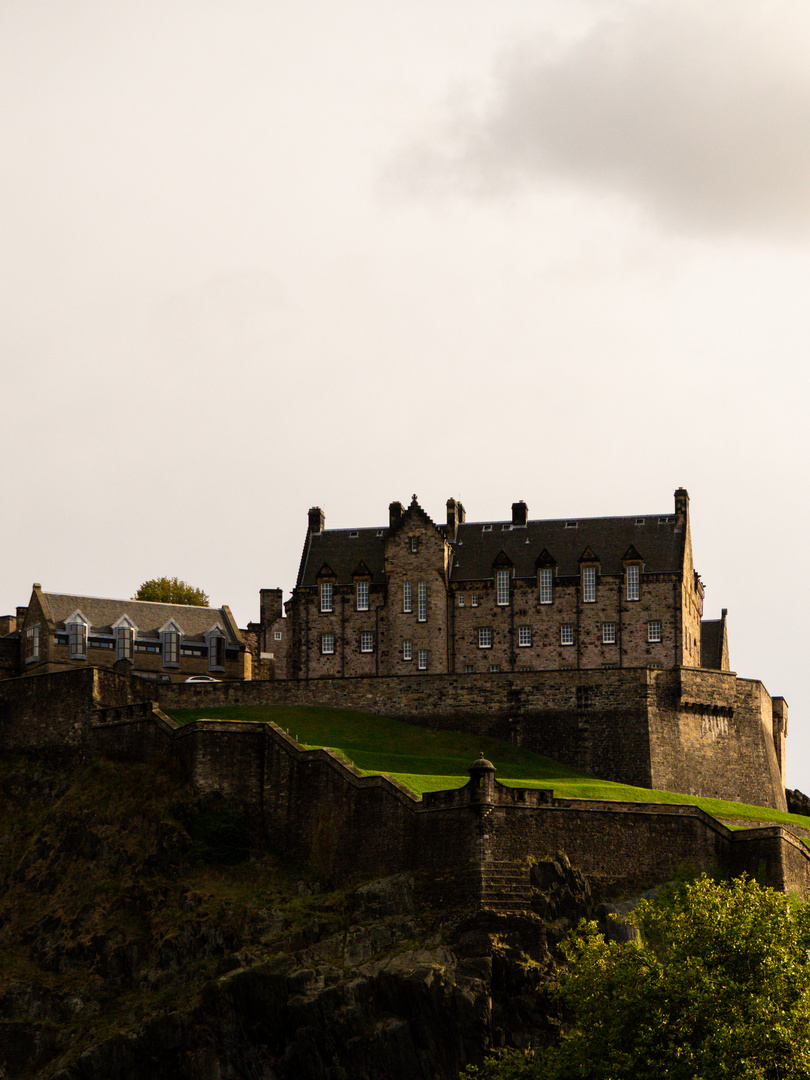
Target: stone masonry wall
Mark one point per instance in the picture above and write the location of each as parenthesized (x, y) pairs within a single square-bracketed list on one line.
[(321, 811), (700, 732)]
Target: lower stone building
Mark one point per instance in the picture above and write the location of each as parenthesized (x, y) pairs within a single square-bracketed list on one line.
[(163, 642)]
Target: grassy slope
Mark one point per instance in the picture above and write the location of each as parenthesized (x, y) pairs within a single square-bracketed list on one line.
[(426, 760)]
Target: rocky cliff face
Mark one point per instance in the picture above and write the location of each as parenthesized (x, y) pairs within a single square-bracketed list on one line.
[(145, 932)]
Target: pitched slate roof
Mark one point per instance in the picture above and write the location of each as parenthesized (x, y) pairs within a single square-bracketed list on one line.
[(148, 617), (342, 550), (479, 545)]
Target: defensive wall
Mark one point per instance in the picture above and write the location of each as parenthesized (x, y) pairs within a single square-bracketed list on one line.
[(691, 730), (475, 844)]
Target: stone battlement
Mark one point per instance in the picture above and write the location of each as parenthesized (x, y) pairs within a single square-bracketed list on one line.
[(319, 809)]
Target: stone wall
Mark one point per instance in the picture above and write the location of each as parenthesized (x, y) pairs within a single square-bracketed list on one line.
[(320, 810), (699, 732)]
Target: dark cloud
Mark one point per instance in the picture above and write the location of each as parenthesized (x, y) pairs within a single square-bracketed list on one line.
[(699, 112)]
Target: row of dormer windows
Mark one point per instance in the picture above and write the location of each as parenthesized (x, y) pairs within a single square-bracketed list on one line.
[(78, 639)]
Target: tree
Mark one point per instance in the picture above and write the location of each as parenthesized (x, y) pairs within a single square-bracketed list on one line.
[(171, 591), (717, 985)]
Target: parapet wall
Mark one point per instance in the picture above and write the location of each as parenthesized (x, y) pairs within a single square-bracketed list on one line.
[(685, 729), (322, 811)]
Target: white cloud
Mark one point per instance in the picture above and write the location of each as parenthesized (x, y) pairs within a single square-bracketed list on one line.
[(698, 112)]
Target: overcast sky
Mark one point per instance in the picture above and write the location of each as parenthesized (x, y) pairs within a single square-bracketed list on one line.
[(260, 256)]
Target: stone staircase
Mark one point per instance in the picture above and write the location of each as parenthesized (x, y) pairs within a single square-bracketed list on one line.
[(505, 886)]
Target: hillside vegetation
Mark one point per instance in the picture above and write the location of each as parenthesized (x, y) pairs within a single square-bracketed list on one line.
[(427, 760), (148, 933)]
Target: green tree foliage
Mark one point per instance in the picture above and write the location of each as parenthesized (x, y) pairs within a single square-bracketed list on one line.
[(166, 590), (717, 986)]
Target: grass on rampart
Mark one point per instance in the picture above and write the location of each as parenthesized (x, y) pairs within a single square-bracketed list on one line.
[(426, 760)]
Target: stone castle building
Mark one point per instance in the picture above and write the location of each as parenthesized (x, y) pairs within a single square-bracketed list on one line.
[(159, 642), (516, 595)]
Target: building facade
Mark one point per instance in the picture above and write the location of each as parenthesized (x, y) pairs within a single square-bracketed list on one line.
[(514, 595), (163, 642)]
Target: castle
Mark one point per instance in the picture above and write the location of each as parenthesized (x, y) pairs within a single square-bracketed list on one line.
[(581, 639)]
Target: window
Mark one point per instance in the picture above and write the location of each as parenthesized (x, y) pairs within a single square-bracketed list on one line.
[(588, 584), (502, 587), (468, 669), (494, 667), (474, 599), (609, 633), (484, 637), (546, 586), (326, 596), (421, 659), (276, 635), (362, 596), (327, 644), (170, 641), (414, 543), (567, 634), (123, 642), (524, 636), (366, 641), (407, 650), (654, 630), (406, 597), (421, 602), (32, 644), (632, 582), (461, 599), (77, 639)]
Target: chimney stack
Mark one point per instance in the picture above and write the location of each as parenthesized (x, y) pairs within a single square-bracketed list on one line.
[(520, 513), (395, 512), (316, 519), (455, 517), (681, 509)]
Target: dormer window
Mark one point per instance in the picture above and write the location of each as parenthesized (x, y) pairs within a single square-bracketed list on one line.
[(588, 584), (216, 653), (546, 585), (123, 642), (502, 588), (77, 636), (124, 630), (632, 577), (170, 641)]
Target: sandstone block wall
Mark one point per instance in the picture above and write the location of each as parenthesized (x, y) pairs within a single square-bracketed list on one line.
[(321, 811), (699, 732)]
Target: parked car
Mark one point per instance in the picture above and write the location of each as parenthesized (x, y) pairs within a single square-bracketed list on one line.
[(202, 678)]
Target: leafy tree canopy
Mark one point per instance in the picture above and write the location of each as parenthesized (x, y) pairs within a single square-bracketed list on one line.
[(718, 985), (166, 590)]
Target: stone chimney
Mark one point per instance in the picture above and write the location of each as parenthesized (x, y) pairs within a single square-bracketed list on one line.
[(270, 607), (681, 509), (455, 517), (316, 519), (520, 513), (395, 512)]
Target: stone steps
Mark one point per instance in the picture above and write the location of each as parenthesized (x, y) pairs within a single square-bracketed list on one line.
[(505, 886)]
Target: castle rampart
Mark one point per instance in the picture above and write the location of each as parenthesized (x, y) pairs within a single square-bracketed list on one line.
[(319, 809), (683, 729)]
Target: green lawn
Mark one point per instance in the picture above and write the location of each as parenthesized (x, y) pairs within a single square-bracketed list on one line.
[(425, 760)]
